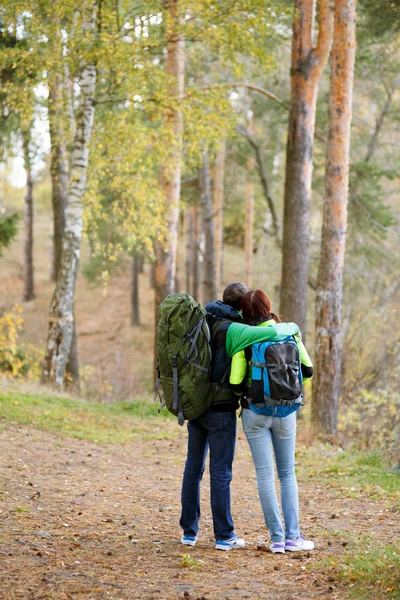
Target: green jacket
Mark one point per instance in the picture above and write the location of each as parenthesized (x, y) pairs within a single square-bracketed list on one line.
[(239, 336), (239, 366)]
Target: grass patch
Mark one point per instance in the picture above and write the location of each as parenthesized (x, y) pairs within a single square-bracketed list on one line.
[(354, 473), (373, 572), (115, 423)]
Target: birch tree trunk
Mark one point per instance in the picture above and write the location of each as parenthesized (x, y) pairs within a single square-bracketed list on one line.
[(58, 168), (249, 223), (166, 252), (219, 175), (28, 279), (326, 385), (209, 284), (61, 317), (307, 66)]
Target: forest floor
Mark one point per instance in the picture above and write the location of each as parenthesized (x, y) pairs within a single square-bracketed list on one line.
[(88, 519)]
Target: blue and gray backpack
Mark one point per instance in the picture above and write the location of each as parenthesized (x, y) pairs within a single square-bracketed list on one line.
[(276, 378)]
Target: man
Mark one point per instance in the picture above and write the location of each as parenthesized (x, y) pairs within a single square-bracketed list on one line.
[(216, 427)]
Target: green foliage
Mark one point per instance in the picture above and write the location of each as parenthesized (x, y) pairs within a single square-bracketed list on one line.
[(8, 229), (16, 360)]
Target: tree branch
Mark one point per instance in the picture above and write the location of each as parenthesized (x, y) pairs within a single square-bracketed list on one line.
[(264, 180), (325, 35), (249, 86), (379, 122)]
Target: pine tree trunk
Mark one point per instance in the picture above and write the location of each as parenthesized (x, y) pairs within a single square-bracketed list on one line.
[(135, 317), (209, 284), (188, 229), (196, 253), (219, 174), (61, 318), (28, 279), (326, 386), (249, 223), (166, 253), (306, 70), (58, 169)]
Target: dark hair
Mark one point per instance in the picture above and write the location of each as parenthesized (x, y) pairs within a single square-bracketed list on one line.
[(256, 308), (233, 294)]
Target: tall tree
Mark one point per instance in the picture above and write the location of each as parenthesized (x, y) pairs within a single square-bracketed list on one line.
[(307, 65), (166, 250), (61, 317), (209, 283), (58, 167), (28, 279), (135, 316), (326, 385), (249, 223), (219, 174)]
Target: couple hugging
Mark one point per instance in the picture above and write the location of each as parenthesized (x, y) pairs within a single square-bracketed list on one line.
[(243, 361)]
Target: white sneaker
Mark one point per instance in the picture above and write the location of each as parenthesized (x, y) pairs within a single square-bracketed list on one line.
[(187, 540), (298, 544), (231, 544)]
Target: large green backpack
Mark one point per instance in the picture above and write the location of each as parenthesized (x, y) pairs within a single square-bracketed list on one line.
[(184, 356)]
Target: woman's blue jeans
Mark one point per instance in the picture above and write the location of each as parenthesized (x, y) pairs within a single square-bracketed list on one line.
[(217, 431), (263, 433)]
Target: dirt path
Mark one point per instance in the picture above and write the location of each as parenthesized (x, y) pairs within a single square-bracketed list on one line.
[(82, 521)]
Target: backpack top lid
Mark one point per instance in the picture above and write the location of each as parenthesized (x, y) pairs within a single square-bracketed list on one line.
[(179, 313)]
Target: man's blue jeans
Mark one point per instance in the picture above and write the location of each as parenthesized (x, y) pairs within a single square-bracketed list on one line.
[(264, 433), (217, 431)]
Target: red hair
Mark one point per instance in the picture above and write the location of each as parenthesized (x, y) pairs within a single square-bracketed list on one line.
[(256, 307)]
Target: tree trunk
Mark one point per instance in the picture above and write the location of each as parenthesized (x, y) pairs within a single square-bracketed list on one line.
[(166, 252), (249, 223), (196, 253), (61, 318), (326, 386), (219, 174), (135, 319), (306, 70), (72, 368), (188, 229), (58, 168), (28, 281), (210, 291)]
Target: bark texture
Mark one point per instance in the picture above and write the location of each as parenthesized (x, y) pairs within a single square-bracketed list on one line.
[(166, 251), (326, 385), (209, 284), (249, 223), (135, 317), (196, 253), (28, 277), (188, 229), (58, 168), (219, 175), (61, 317), (306, 69)]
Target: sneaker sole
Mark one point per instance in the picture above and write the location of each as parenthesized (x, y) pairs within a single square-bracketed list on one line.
[(278, 551), (192, 544), (298, 549), (228, 548)]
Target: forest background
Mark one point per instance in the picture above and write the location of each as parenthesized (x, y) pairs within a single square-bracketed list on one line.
[(121, 112)]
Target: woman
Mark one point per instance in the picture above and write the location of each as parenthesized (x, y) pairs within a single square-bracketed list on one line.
[(262, 428)]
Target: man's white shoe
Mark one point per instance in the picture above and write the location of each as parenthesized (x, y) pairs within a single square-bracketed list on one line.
[(231, 544)]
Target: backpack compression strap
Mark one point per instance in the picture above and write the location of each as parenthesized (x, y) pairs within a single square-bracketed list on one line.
[(176, 401)]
